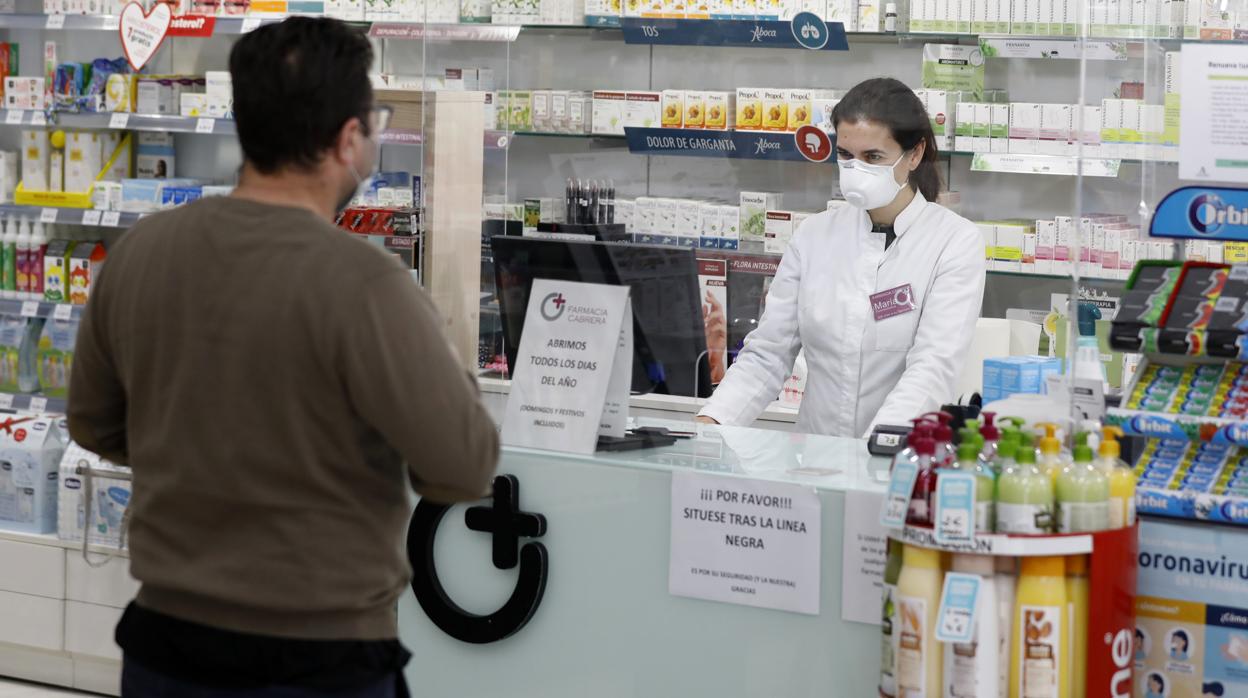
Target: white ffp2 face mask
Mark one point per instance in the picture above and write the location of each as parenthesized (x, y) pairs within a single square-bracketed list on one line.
[(868, 186)]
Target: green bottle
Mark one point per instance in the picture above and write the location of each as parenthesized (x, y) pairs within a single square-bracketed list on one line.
[(1025, 502), (985, 485), (1082, 493)]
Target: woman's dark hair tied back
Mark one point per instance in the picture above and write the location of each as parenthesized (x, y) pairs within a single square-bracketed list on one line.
[(893, 104)]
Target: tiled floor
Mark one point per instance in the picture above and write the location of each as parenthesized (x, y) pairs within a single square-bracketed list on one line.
[(17, 689)]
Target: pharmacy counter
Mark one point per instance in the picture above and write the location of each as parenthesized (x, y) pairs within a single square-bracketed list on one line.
[(607, 625)]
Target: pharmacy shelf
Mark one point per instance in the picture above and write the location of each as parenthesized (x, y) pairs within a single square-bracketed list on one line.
[(119, 121), (217, 26), (35, 308), (32, 403), (998, 543), (71, 216)]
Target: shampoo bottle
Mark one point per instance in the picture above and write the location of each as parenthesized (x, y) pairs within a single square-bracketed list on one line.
[(890, 622), (1040, 644), (1051, 457), (24, 238), (38, 247), (1006, 583), (920, 511), (8, 257), (1121, 479), (1082, 493), (985, 485), (1025, 497), (918, 593), (945, 454), (1078, 593), (972, 669), (991, 435)]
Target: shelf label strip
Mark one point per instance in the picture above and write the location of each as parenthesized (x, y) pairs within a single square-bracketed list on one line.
[(800, 33), (745, 145)]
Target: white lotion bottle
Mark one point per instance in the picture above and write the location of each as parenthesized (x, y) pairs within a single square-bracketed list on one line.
[(972, 670)]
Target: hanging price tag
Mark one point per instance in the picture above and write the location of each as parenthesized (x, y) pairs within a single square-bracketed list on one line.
[(959, 607), (38, 118), (30, 308), (47, 215), (63, 311), (13, 117), (205, 125), (119, 120), (250, 25), (111, 219), (55, 22), (38, 404), (897, 499), (954, 517), (91, 217), (6, 400)]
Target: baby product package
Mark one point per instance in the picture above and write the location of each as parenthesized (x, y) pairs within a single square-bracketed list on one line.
[(109, 497), (56, 356), (30, 453)]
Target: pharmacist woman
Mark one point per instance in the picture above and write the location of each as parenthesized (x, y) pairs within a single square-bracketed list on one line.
[(882, 294)]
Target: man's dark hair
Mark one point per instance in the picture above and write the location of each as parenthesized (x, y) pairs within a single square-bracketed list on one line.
[(295, 84)]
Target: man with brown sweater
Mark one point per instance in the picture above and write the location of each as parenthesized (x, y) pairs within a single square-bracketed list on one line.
[(267, 376)]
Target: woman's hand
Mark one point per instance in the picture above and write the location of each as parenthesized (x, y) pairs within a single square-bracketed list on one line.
[(700, 419)]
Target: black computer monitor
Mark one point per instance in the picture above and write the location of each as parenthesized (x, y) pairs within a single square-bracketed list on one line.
[(669, 336)]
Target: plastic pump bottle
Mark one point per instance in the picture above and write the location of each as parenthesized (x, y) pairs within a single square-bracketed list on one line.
[(1025, 496), (1082, 493), (973, 669), (8, 258), (1051, 460), (1040, 642), (920, 512), (946, 454), (985, 484), (24, 238), (38, 248), (891, 622), (1078, 595), (1087, 352), (1006, 584), (919, 660), (1121, 479), (991, 435)]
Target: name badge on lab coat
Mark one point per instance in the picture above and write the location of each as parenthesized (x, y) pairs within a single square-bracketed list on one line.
[(893, 302)]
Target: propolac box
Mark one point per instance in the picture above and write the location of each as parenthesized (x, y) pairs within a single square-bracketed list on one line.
[(775, 110), (720, 111), (673, 108), (799, 109), (749, 109), (695, 109)]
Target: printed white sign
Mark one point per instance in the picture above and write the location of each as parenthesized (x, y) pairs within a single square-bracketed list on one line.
[(142, 32), (864, 553), (574, 336), (746, 542), (1214, 104)]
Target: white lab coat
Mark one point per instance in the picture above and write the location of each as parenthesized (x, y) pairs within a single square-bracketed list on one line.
[(862, 372)]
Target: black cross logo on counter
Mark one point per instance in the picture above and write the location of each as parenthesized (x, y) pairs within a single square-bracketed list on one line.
[(504, 519)]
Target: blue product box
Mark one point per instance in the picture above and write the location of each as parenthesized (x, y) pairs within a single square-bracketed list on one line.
[(729, 243), (1205, 469), (709, 243)]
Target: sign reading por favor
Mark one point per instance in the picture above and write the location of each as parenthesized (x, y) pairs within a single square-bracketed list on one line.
[(746, 542), (143, 32), (572, 369)]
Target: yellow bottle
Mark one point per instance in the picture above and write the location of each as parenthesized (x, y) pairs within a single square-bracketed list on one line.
[(1051, 460), (1121, 479), (1077, 596), (1040, 647), (919, 656)]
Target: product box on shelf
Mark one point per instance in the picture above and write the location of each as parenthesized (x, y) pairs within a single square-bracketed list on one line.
[(749, 108), (24, 93), (56, 355), (643, 109), (753, 214), (673, 104), (778, 230), (109, 497), (30, 454), (155, 155), (83, 154), (35, 159), (775, 109), (720, 111)]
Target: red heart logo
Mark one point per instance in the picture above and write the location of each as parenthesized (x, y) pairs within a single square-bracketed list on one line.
[(142, 33)]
